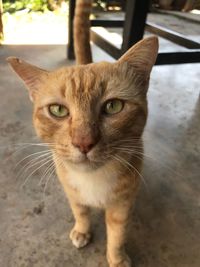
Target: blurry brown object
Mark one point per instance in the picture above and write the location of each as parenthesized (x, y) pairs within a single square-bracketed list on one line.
[(165, 4), (54, 4), (1, 21), (189, 5), (184, 5)]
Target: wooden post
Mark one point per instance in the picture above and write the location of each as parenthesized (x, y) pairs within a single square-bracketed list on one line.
[(1, 21), (70, 48)]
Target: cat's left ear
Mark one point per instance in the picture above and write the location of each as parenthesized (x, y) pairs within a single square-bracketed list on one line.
[(30, 74), (142, 56)]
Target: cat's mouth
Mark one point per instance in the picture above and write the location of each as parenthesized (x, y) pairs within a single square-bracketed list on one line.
[(83, 162), (92, 160)]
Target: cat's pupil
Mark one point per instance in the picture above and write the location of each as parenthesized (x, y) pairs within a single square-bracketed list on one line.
[(110, 105)]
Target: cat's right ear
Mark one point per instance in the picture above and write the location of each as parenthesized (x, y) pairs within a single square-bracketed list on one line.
[(142, 56), (30, 74)]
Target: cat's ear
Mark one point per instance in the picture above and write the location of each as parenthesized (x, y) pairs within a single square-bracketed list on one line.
[(30, 74), (142, 56)]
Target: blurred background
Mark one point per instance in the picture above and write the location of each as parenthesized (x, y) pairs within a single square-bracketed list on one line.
[(46, 21), (35, 219)]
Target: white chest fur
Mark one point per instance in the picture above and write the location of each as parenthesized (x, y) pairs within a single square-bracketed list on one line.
[(95, 187)]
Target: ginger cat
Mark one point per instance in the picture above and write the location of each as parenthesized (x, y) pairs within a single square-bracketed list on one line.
[(93, 118)]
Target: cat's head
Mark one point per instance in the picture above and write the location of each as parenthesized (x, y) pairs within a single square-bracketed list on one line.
[(91, 113)]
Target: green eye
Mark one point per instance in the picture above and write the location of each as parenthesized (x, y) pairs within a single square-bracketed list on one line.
[(113, 106), (58, 111)]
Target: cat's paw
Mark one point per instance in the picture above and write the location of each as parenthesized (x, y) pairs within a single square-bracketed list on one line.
[(79, 240), (126, 262)]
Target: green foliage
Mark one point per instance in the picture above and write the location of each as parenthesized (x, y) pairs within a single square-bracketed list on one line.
[(31, 5)]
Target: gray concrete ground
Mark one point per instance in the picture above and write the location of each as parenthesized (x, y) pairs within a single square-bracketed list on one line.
[(165, 231)]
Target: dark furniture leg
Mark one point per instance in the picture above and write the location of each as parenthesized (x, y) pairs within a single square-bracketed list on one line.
[(70, 47), (134, 25)]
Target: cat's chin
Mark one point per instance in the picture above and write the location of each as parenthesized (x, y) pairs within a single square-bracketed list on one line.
[(84, 165)]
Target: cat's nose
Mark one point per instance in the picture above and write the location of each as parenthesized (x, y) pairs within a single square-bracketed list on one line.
[(84, 144)]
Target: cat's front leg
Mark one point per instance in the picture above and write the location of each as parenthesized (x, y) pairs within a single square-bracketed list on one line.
[(117, 220), (80, 234)]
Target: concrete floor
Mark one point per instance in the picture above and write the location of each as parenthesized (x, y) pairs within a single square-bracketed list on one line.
[(165, 231)]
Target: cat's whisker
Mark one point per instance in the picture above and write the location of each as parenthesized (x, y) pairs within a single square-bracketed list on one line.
[(26, 180), (133, 148), (51, 171), (119, 141), (140, 138), (31, 144), (151, 159), (99, 160), (131, 139), (34, 162), (45, 173), (135, 151), (120, 144), (31, 155), (140, 175), (22, 146), (119, 160), (131, 143), (126, 163), (128, 151)]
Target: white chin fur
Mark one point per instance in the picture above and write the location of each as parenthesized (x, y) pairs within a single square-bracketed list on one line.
[(95, 185)]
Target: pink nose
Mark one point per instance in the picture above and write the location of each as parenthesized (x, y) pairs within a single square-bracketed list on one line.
[(84, 144)]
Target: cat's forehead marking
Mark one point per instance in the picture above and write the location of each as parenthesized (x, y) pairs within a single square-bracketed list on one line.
[(82, 83), (63, 90)]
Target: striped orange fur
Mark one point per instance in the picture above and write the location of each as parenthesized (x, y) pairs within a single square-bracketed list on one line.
[(82, 32)]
